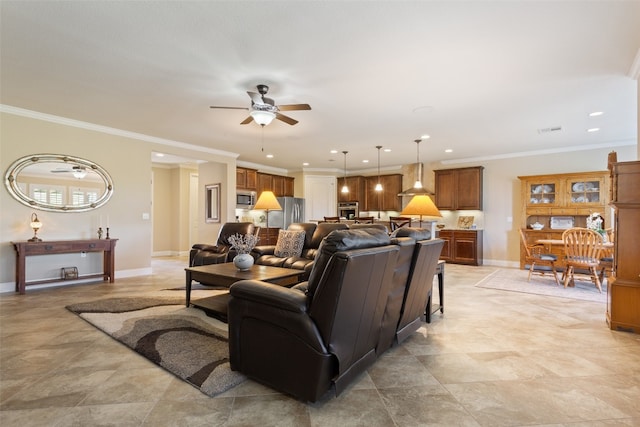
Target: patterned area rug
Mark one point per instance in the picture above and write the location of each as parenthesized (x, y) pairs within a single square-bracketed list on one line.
[(515, 280), (184, 341)]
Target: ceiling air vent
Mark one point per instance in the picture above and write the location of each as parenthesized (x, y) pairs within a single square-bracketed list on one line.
[(551, 129)]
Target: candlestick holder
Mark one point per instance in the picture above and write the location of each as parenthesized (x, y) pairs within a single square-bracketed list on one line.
[(107, 237), (99, 232)]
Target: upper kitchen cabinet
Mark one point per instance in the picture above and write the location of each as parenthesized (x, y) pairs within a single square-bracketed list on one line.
[(356, 186), (280, 185), (387, 199), (246, 179), (459, 189)]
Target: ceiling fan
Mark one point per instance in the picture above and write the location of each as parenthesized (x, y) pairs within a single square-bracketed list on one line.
[(263, 110), (77, 171)]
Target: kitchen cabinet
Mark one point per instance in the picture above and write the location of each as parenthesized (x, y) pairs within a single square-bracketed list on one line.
[(246, 179), (288, 186), (558, 201), (459, 189), (268, 236), (280, 185), (461, 246), (356, 185), (623, 292), (387, 199)]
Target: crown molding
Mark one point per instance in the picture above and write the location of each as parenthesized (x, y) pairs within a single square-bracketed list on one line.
[(112, 131)]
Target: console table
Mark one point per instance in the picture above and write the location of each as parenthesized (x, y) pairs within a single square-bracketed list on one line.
[(24, 249)]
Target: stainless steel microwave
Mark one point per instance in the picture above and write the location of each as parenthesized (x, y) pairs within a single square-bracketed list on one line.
[(245, 199)]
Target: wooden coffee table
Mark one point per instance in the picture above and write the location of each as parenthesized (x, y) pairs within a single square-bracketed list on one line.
[(227, 274)]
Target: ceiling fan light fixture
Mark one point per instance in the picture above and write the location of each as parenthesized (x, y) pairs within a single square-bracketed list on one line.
[(262, 117), (79, 173)]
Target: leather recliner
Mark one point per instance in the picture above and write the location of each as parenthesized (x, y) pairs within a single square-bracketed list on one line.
[(412, 284), (420, 281), (319, 334), (221, 252), (314, 233)]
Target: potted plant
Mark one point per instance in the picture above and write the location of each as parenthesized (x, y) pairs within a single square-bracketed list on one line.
[(243, 244)]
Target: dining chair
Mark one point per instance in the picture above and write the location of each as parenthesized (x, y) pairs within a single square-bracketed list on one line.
[(606, 258), (582, 247), (396, 222), (539, 262), (364, 220), (331, 219)]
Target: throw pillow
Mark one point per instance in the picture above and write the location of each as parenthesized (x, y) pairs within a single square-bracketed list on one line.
[(290, 243)]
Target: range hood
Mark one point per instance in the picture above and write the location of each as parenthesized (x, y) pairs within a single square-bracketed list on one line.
[(414, 173)]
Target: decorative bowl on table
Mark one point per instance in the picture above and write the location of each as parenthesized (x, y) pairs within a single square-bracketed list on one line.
[(440, 226)]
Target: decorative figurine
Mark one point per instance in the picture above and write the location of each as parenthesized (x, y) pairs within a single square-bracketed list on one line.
[(99, 232)]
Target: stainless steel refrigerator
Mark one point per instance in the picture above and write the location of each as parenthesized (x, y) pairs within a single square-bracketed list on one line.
[(292, 211)]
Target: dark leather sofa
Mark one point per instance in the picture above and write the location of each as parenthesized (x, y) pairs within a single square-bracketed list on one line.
[(221, 252), (314, 233), (365, 292)]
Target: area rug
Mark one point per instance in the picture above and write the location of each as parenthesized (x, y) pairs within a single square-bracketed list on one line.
[(184, 341), (515, 280)]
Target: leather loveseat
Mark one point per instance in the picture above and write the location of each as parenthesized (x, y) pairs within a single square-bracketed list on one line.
[(319, 334), (314, 233)]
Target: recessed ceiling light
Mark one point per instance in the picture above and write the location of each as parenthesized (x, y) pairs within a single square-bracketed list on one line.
[(305, 164), (425, 136), (333, 151), (269, 156), (387, 150), (596, 113), (159, 155), (365, 161), (593, 130), (448, 150)]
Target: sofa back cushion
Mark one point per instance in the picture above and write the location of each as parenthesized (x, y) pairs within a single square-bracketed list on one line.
[(322, 230), (339, 241), (290, 243), (308, 227)]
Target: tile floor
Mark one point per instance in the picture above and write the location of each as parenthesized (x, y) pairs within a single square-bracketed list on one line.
[(494, 358)]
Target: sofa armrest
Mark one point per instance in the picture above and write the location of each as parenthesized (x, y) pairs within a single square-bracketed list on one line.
[(258, 251), (206, 247), (268, 294)]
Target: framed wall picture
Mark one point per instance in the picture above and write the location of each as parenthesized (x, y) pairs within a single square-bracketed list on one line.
[(212, 203)]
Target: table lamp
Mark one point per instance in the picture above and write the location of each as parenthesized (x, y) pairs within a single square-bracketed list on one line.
[(267, 202), (422, 205), (35, 224)]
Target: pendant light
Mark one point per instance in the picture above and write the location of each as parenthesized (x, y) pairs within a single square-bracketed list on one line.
[(345, 189), (378, 185), (418, 183)]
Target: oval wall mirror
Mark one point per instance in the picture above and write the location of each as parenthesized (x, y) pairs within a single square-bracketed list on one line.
[(58, 183)]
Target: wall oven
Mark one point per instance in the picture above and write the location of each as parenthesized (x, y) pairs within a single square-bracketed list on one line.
[(348, 210), (245, 199)]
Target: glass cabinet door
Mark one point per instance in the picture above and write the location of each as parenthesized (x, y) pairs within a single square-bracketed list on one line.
[(585, 191), (542, 193)]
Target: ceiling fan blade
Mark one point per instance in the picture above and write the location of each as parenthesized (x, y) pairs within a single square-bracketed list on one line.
[(286, 119), (230, 108), (292, 107), (256, 98), (247, 120)]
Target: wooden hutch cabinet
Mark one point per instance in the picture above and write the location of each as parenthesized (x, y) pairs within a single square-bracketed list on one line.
[(623, 292), (560, 201), (459, 189), (461, 246)]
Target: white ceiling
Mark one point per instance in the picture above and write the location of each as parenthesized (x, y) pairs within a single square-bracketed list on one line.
[(480, 77)]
